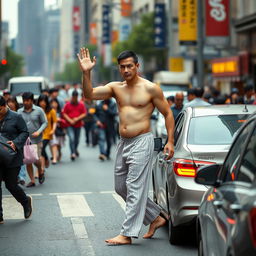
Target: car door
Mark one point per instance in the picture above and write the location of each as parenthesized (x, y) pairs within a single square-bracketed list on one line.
[(222, 210), (167, 164)]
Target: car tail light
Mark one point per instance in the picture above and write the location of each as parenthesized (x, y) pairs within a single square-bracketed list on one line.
[(188, 168), (252, 225)]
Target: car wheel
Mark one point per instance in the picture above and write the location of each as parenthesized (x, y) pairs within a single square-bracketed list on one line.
[(200, 245), (175, 234)]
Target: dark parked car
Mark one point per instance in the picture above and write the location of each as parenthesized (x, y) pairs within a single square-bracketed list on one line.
[(226, 223)]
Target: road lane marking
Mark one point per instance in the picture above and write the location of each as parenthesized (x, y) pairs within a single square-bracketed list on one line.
[(12, 209), (74, 206), (120, 200), (70, 193), (83, 241)]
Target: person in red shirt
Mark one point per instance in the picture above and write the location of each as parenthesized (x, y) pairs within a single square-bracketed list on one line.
[(74, 112)]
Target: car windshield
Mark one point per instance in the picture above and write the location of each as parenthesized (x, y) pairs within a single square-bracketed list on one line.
[(19, 88), (214, 130)]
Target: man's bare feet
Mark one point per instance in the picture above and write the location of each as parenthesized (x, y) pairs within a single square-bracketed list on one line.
[(119, 240), (157, 223)]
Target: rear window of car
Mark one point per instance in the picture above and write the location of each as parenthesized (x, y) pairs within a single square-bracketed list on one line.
[(19, 88), (214, 130)]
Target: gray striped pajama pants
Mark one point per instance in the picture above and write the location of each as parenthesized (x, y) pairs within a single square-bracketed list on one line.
[(132, 176)]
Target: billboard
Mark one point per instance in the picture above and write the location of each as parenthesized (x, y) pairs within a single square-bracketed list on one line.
[(105, 24), (217, 16), (159, 21), (126, 8), (187, 22), (76, 18)]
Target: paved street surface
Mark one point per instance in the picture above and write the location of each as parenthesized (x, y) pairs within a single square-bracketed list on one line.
[(75, 210)]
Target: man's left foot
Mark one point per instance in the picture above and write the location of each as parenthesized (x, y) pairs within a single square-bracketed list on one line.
[(157, 223), (119, 240), (1, 220)]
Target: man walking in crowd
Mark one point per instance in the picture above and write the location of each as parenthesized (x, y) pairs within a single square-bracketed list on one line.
[(136, 99), (13, 128), (105, 121), (36, 122), (74, 112), (249, 97), (197, 101), (178, 104)]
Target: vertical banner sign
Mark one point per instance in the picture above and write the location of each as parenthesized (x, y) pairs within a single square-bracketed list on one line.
[(93, 33), (76, 22), (126, 8), (105, 24), (188, 22), (217, 21), (159, 21), (125, 27), (76, 18)]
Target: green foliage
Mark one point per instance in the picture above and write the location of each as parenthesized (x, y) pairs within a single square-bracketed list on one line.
[(14, 66), (141, 41)]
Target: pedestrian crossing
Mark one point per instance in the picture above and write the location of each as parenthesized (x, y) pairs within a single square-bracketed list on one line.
[(71, 205)]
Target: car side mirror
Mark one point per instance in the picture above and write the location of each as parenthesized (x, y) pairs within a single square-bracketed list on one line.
[(158, 144), (208, 175)]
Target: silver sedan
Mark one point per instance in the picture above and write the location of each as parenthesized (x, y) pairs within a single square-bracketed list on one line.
[(202, 137)]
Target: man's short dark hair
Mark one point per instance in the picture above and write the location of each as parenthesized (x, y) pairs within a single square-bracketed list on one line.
[(127, 54), (75, 93), (28, 96), (191, 91), (52, 90), (248, 88), (2, 101), (199, 92)]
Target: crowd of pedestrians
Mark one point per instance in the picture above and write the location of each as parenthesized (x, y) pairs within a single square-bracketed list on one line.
[(58, 113)]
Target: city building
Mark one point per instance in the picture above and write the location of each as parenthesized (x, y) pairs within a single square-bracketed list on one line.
[(30, 40)]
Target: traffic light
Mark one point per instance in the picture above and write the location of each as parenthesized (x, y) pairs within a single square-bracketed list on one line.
[(4, 62)]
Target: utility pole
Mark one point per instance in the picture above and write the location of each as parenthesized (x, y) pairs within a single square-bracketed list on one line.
[(169, 41), (200, 45)]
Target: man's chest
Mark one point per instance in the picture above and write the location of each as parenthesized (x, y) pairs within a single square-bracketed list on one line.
[(134, 98)]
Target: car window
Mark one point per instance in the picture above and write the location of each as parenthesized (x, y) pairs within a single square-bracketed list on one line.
[(247, 170), (18, 88), (214, 130), (178, 128), (229, 168)]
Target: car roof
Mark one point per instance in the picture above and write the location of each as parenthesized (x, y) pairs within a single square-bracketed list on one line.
[(213, 110), (26, 79)]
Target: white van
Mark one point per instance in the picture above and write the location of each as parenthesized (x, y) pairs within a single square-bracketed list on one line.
[(172, 82), (35, 84)]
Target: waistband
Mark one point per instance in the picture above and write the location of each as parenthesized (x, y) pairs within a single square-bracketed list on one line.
[(147, 134)]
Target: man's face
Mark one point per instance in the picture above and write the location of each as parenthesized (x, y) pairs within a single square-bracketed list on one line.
[(179, 100), (28, 104), (3, 110), (74, 99), (128, 69)]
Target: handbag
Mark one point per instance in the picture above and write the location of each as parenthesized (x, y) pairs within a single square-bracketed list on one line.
[(7, 154), (30, 152)]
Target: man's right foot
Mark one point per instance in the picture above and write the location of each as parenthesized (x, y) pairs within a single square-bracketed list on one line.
[(1, 220), (102, 157), (31, 184), (28, 208)]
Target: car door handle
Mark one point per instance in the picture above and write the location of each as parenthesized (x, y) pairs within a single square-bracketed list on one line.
[(218, 204), (160, 160), (236, 208)]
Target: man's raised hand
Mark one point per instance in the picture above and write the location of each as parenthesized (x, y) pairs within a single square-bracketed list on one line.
[(85, 62)]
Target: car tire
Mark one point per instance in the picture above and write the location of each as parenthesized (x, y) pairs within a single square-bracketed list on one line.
[(200, 245), (175, 234)]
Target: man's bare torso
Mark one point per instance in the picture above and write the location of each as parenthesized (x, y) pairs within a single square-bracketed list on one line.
[(135, 106)]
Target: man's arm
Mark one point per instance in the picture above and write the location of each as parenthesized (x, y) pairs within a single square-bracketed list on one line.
[(161, 103), (43, 121), (86, 65)]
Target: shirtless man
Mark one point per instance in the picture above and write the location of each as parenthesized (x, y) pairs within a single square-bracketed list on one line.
[(136, 99)]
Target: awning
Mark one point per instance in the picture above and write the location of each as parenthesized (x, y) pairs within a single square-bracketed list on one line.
[(246, 23)]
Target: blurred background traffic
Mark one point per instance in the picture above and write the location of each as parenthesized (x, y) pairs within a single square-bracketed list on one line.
[(208, 43)]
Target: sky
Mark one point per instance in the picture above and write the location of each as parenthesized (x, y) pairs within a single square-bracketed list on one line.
[(10, 14)]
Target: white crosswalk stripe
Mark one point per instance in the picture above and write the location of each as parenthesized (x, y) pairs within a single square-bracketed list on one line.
[(71, 204)]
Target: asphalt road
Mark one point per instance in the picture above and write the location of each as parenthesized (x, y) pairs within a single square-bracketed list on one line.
[(75, 210)]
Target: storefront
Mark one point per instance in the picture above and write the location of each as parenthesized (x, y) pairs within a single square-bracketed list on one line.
[(229, 72)]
